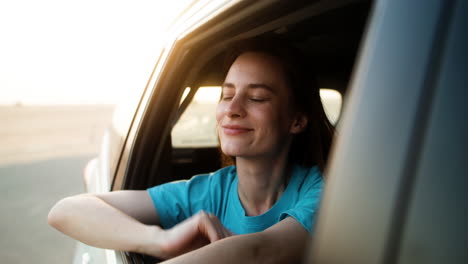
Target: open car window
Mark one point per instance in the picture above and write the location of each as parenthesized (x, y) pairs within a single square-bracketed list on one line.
[(196, 127)]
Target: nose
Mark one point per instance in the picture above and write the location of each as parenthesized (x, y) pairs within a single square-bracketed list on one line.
[(235, 107)]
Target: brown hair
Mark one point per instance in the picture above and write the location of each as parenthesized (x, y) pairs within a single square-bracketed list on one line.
[(312, 146)]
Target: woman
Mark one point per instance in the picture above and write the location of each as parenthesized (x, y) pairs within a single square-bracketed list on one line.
[(272, 124)]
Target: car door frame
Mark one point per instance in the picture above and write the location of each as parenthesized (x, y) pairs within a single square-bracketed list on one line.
[(376, 159)]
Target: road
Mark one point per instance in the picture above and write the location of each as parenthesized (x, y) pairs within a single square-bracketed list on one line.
[(42, 154)]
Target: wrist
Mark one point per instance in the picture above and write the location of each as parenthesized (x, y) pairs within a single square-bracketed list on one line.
[(153, 243)]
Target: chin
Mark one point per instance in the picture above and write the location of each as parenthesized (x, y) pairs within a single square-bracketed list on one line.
[(231, 153), (231, 150)]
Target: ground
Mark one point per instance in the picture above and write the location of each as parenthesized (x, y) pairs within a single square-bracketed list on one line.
[(42, 155)]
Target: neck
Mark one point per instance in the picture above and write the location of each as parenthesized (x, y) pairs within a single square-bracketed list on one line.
[(261, 182)]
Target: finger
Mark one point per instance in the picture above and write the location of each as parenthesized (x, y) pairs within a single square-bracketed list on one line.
[(227, 232), (208, 228), (222, 231), (183, 238), (219, 227), (187, 229), (199, 224)]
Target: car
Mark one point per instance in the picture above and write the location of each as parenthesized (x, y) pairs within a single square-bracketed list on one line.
[(395, 184)]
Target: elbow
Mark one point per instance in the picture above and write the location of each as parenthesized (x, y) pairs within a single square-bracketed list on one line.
[(56, 214), (59, 214)]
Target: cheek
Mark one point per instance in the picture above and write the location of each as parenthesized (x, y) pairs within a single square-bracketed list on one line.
[(274, 120), (265, 115)]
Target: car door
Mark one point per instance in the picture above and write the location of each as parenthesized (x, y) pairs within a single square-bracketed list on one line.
[(395, 190)]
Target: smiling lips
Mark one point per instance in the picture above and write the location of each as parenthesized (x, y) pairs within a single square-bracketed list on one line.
[(233, 130)]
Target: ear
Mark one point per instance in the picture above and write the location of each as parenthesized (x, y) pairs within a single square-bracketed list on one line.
[(299, 124)]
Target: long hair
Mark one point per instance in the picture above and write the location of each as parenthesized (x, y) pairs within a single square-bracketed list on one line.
[(311, 146)]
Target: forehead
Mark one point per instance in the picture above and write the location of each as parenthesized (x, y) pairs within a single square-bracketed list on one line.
[(258, 68)]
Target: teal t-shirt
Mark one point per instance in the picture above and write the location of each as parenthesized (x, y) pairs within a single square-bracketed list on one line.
[(216, 193)]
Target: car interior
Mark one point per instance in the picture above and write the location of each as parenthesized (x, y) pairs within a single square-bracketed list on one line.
[(329, 32)]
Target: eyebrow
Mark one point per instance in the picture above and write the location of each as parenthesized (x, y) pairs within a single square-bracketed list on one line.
[(251, 86)]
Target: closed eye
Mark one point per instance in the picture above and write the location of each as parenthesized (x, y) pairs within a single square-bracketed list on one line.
[(227, 98), (258, 100)]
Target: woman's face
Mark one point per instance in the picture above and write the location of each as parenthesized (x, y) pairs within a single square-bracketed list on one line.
[(254, 115)]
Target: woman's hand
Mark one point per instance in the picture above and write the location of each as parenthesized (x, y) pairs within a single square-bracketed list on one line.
[(193, 233), (284, 242)]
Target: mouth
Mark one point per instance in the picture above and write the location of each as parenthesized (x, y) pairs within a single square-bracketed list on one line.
[(233, 130)]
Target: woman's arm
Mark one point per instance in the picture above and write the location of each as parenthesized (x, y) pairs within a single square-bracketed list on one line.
[(121, 220), (111, 220), (284, 242)]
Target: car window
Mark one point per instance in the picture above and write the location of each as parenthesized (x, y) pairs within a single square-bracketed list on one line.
[(197, 125), (332, 101)]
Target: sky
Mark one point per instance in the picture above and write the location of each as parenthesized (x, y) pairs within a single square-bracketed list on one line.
[(79, 52)]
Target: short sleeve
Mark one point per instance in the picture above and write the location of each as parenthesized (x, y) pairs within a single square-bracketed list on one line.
[(309, 199), (177, 201)]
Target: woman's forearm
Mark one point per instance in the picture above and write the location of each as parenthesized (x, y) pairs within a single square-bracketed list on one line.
[(94, 222), (252, 248), (284, 242)]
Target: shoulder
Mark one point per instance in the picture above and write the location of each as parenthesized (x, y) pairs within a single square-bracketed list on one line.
[(308, 177), (308, 183)]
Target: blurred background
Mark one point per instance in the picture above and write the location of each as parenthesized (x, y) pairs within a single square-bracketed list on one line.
[(64, 67)]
